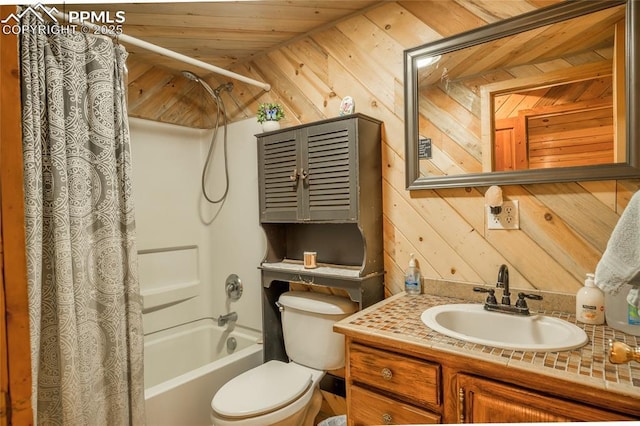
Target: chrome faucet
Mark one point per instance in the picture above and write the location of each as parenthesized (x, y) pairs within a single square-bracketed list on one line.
[(491, 303), (224, 319)]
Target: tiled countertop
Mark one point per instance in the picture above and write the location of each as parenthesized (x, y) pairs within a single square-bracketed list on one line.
[(398, 319)]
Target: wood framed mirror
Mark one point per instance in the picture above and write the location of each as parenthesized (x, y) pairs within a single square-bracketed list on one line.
[(548, 96)]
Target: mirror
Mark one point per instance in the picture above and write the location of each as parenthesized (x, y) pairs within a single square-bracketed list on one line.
[(547, 96)]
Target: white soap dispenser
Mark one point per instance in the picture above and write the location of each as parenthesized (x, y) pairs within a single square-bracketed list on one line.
[(590, 303), (412, 278)]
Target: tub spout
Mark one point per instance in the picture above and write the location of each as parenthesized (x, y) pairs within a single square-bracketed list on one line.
[(224, 319)]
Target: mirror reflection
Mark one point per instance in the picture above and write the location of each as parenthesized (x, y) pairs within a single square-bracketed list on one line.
[(548, 96)]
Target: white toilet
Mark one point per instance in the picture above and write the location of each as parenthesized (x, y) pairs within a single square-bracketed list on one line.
[(279, 393)]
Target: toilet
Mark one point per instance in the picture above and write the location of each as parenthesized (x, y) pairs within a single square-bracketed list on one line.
[(281, 393)]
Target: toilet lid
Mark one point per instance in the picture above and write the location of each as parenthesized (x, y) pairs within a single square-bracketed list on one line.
[(261, 389)]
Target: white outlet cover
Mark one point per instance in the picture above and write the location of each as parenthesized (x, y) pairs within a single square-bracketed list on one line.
[(508, 218)]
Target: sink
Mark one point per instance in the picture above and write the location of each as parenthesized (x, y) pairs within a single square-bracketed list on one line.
[(472, 323)]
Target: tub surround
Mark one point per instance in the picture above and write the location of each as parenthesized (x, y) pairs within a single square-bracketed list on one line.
[(583, 376), (180, 383)]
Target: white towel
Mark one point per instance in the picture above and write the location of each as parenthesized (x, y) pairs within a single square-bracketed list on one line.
[(620, 263)]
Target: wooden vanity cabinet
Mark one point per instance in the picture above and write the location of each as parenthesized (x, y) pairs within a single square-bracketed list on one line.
[(388, 387)]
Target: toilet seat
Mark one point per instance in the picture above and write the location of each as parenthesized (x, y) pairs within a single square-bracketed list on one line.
[(261, 390)]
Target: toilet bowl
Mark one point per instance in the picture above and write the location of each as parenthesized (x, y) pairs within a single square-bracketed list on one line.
[(275, 393), (288, 394)]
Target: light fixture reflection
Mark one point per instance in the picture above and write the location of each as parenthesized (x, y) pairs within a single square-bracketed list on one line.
[(428, 61)]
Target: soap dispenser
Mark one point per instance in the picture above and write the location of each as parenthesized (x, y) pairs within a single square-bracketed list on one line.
[(590, 302), (412, 278)]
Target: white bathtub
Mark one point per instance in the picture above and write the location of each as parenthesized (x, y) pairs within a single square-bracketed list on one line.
[(186, 365)]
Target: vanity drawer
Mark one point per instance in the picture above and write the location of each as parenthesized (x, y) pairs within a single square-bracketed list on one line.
[(369, 408), (411, 379)]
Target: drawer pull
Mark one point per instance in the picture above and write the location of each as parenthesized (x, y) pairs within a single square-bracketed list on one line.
[(387, 419), (387, 374)]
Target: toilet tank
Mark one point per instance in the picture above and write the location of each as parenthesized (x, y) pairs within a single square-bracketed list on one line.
[(307, 327)]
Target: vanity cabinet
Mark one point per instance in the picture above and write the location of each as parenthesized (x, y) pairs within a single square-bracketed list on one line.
[(318, 172), (409, 387)]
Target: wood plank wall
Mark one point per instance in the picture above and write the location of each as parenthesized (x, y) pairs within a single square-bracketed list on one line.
[(15, 353), (564, 227)]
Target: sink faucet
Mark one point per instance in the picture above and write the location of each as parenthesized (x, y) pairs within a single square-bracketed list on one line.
[(503, 283), (491, 304), (224, 319)]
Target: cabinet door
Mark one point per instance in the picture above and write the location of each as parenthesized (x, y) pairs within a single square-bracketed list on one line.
[(279, 166), (486, 401), (330, 161)]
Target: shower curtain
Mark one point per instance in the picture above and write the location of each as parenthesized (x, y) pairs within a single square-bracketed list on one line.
[(85, 307)]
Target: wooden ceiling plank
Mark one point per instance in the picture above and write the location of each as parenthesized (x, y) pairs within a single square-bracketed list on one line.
[(403, 26), (317, 11), (430, 12), (222, 35), (238, 24)]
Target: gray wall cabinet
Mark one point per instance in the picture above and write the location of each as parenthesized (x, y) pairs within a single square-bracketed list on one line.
[(321, 190), (318, 172)]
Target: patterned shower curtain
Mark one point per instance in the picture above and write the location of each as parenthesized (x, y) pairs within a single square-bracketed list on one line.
[(85, 307)]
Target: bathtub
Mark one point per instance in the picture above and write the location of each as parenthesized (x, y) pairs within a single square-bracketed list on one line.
[(185, 365)]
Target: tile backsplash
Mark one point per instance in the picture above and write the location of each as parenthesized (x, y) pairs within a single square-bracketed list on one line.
[(551, 301)]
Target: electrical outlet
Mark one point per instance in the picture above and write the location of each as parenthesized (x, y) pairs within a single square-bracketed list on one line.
[(508, 218)]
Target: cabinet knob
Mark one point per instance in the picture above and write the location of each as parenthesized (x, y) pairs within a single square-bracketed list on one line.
[(294, 175), (387, 374), (303, 174), (387, 419)]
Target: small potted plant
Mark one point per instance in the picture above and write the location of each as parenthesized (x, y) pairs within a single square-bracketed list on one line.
[(269, 115)]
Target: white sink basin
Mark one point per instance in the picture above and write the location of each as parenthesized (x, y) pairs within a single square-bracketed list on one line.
[(472, 323)]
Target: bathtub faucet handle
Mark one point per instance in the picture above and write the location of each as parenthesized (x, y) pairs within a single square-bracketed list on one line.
[(233, 287)]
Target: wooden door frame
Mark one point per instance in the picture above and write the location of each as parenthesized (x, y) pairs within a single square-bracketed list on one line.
[(15, 352)]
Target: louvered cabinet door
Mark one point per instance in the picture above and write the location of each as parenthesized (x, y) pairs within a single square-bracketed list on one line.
[(279, 177), (330, 161)]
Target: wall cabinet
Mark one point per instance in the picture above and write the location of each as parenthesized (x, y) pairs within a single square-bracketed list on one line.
[(318, 172), (388, 387), (320, 188)]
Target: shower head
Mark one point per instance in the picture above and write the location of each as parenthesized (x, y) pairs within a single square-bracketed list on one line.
[(215, 93), (190, 75)]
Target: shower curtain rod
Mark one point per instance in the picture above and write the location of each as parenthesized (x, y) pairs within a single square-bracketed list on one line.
[(166, 52)]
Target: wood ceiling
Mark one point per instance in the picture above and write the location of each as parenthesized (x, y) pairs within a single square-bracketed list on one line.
[(244, 36), (223, 33)]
